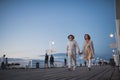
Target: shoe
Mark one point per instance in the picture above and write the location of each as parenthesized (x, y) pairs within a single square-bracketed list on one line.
[(89, 69), (74, 68), (69, 69)]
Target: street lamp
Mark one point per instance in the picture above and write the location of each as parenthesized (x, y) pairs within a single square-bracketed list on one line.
[(114, 36), (53, 42), (111, 35), (116, 58), (50, 44), (116, 46), (113, 51)]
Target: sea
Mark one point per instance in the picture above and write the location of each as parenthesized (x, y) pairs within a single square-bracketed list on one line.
[(34, 63)]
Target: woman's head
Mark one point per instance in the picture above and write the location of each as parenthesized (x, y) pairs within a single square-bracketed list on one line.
[(87, 37), (71, 37)]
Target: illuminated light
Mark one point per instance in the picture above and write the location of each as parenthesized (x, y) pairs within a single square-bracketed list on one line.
[(111, 35)]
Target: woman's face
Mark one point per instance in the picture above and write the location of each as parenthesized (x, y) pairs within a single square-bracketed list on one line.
[(86, 38), (70, 38)]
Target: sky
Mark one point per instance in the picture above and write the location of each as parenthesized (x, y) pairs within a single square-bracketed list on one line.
[(27, 27)]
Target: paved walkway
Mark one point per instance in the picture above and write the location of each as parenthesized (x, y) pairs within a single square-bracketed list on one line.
[(81, 73)]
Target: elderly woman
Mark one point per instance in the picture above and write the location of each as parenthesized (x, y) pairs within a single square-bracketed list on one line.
[(88, 50)]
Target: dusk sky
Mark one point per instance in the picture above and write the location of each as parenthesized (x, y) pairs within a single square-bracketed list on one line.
[(27, 26)]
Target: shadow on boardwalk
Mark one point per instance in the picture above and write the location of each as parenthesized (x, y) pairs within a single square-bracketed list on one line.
[(81, 73)]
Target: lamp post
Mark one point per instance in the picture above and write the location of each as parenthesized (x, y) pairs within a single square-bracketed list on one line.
[(114, 36), (116, 46), (115, 57)]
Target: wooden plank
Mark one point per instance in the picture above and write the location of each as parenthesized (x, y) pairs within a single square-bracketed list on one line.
[(81, 73), (116, 74)]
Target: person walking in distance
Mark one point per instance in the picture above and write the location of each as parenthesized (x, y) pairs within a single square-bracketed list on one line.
[(46, 61), (3, 62), (65, 62), (88, 50), (51, 61), (71, 51)]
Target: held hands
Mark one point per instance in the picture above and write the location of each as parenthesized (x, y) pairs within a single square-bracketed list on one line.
[(80, 53)]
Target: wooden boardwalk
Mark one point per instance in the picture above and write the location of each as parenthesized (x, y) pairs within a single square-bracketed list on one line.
[(81, 73)]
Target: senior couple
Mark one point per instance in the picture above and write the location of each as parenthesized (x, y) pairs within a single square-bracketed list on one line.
[(87, 51)]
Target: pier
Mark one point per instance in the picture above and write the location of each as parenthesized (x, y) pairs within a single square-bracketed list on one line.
[(81, 73)]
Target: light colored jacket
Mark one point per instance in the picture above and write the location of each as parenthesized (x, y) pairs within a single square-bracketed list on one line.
[(72, 46)]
